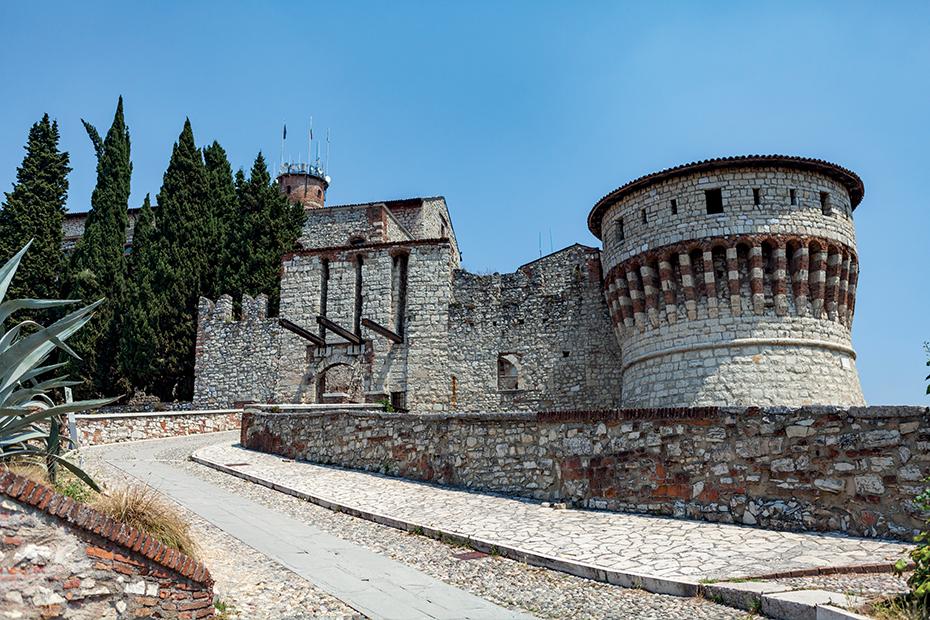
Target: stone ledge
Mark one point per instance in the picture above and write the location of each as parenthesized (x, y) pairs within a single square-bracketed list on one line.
[(83, 517)]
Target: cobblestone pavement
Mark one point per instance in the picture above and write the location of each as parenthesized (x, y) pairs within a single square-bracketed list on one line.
[(862, 584), (542, 592), (665, 547)]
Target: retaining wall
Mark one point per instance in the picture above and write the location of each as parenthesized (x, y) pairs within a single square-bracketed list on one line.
[(61, 559), (101, 428), (854, 470)]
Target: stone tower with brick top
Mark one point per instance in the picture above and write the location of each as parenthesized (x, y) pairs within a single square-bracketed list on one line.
[(304, 183), (733, 282)]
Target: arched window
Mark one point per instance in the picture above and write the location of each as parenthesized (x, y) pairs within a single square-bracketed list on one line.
[(508, 372)]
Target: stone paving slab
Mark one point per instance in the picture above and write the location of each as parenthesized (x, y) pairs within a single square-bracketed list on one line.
[(647, 546)]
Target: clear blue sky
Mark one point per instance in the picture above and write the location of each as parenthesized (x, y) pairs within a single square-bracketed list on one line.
[(521, 114)]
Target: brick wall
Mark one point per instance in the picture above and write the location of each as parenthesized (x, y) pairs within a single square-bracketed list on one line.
[(104, 428), (854, 470), (59, 558)]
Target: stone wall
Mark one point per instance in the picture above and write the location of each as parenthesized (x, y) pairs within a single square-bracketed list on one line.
[(854, 470), (61, 559), (102, 428), (550, 316)]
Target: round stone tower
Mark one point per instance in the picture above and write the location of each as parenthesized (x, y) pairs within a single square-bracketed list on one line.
[(304, 183), (732, 281)]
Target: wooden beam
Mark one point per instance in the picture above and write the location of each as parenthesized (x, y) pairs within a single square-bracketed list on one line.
[(384, 331), (327, 324), (300, 331)]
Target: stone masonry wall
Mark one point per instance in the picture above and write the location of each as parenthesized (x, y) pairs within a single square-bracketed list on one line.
[(853, 470), (95, 428), (61, 559), (551, 315)]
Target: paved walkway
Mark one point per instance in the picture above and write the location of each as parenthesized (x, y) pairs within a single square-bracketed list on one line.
[(671, 549), (368, 582)]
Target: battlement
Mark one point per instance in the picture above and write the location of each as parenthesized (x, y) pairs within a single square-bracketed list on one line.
[(253, 309)]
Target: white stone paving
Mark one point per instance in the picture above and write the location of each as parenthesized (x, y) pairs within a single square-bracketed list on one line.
[(663, 547)]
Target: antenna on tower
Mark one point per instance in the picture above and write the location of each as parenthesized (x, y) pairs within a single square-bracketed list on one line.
[(310, 143), (283, 141), (326, 166)]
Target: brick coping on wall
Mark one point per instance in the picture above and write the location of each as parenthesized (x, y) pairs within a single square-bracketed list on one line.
[(608, 415), (155, 414), (83, 517)]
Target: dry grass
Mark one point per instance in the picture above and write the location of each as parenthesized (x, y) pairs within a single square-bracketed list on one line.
[(31, 471), (897, 608), (140, 507)]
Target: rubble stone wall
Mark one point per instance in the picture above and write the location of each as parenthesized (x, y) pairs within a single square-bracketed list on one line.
[(94, 429), (551, 315), (854, 470), (62, 559)]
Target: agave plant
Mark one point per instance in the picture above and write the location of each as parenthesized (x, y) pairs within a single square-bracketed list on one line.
[(30, 425)]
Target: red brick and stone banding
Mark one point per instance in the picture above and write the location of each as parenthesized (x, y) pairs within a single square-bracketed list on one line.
[(62, 559)]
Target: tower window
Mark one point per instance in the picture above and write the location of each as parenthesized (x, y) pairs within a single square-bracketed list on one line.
[(714, 199), (619, 235), (508, 372), (288, 189), (825, 205), (643, 213), (318, 192), (793, 193), (674, 206), (756, 196)]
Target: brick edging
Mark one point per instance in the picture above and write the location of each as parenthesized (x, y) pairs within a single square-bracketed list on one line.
[(83, 517)]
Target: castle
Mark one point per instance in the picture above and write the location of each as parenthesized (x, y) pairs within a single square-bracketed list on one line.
[(723, 282)]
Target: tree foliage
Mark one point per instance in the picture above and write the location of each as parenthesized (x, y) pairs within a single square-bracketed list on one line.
[(35, 210), (98, 264), (136, 355), (223, 209)]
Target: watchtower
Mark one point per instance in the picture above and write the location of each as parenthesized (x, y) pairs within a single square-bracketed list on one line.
[(304, 183), (732, 281)]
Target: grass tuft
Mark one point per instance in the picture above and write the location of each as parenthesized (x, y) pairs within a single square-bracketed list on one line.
[(140, 507)]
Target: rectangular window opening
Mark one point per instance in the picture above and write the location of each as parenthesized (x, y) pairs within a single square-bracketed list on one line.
[(399, 292), (643, 213), (794, 196), (674, 206), (756, 196), (358, 295), (324, 291), (825, 205), (714, 199), (619, 235)]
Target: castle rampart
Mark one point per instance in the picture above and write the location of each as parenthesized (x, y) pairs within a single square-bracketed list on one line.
[(734, 282)]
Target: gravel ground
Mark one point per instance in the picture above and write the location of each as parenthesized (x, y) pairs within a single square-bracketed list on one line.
[(863, 584), (542, 592)]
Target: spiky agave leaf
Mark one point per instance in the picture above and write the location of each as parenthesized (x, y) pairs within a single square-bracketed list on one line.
[(29, 418)]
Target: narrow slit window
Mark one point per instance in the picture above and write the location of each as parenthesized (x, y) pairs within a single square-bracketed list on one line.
[(714, 199), (643, 214), (324, 291), (794, 196), (756, 196), (619, 234), (399, 292), (825, 205), (358, 295), (674, 206)]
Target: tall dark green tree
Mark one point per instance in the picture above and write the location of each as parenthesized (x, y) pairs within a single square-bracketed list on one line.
[(98, 264), (35, 210), (223, 206), (269, 227), (138, 341), (182, 264)]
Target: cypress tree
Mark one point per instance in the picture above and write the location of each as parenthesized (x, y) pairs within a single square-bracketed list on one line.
[(181, 267), (221, 196), (98, 265), (35, 210), (138, 333), (270, 228)]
